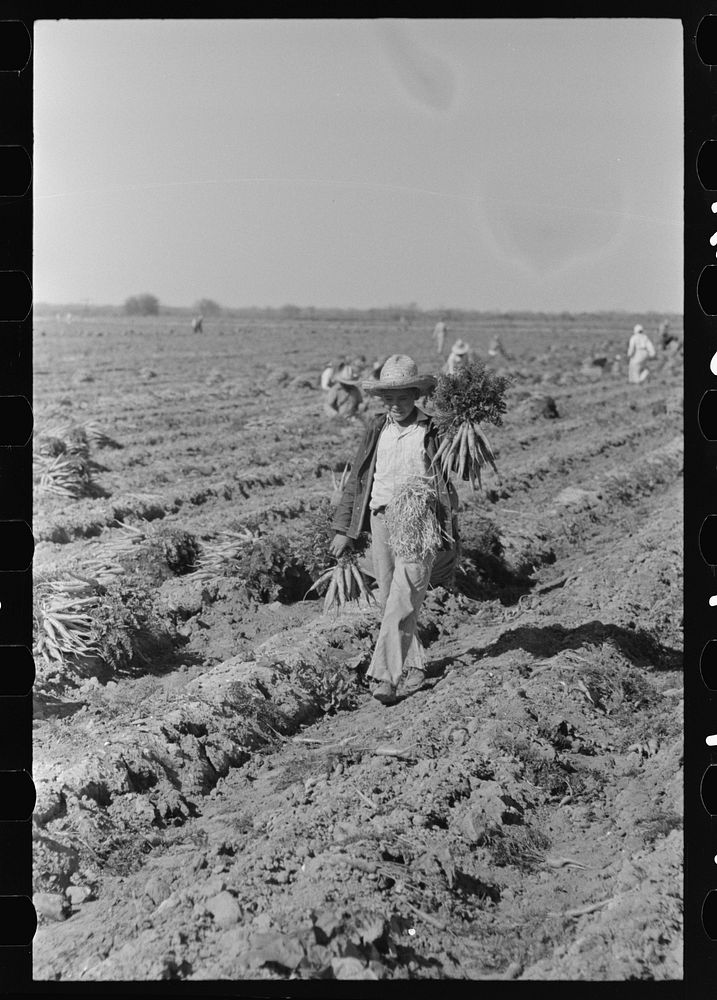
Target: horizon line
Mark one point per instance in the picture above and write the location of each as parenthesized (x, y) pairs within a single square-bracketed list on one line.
[(83, 307)]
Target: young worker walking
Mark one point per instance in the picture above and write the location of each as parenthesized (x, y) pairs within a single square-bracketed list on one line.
[(397, 446)]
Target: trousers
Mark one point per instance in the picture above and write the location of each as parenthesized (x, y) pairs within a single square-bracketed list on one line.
[(402, 586)]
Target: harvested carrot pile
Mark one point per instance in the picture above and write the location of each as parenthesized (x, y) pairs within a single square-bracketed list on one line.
[(63, 624)]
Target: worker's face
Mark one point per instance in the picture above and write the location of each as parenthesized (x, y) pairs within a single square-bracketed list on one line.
[(399, 403)]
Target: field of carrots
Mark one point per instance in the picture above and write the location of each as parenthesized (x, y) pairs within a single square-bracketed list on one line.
[(219, 797)]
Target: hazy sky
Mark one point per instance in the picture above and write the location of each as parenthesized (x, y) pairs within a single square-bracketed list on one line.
[(487, 164)]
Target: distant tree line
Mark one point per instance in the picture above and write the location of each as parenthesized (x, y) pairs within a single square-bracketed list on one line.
[(149, 305), (207, 307), (142, 305)]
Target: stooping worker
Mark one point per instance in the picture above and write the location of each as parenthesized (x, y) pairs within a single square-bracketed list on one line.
[(328, 375), (460, 355), (665, 335), (639, 349), (344, 397), (397, 446), (376, 366), (496, 348)]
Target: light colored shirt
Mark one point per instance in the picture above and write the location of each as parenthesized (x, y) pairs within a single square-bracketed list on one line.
[(400, 456), (640, 347)]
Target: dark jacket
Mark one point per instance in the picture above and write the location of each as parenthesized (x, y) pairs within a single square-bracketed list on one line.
[(352, 513)]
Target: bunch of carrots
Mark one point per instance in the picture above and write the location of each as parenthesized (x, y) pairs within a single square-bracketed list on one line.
[(345, 583), (463, 402), (466, 453)]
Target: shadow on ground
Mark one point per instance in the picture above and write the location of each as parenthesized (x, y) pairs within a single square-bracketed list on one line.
[(636, 645)]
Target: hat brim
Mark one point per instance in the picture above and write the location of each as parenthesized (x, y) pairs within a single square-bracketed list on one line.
[(422, 382)]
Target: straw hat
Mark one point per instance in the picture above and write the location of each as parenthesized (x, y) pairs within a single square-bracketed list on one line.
[(460, 347), (400, 372)]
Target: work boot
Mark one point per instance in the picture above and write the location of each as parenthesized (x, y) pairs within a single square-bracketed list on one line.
[(414, 682), (385, 692)]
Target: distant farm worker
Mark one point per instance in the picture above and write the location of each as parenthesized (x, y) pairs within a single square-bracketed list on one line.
[(639, 349), (197, 324), (328, 375), (459, 357), (439, 335), (397, 448), (667, 337), (496, 349), (376, 367), (344, 397)]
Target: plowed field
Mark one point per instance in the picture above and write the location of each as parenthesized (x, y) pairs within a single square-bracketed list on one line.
[(218, 796)]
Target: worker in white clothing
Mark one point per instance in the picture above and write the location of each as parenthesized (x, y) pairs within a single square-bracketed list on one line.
[(639, 349)]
